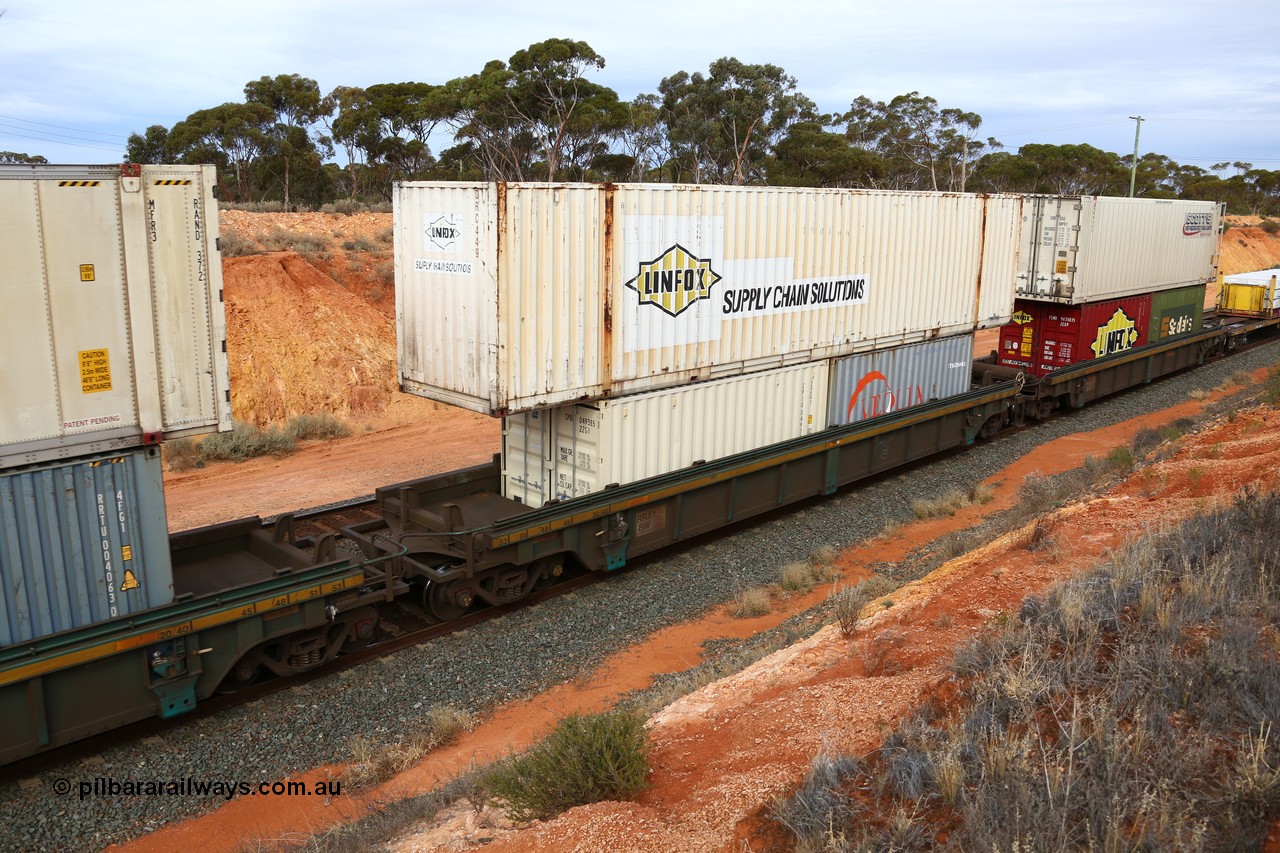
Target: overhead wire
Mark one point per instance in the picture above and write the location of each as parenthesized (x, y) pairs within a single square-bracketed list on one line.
[(63, 127), (91, 139), (7, 133)]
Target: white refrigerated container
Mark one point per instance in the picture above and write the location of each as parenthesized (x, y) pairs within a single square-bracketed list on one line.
[(112, 329)]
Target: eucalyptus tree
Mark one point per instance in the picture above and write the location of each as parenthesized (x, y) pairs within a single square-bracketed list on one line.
[(233, 136), (537, 115), (296, 103), (722, 126), (642, 141), (923, 147), (151, 146), (353, 124), (812, 155), (1079, 169)]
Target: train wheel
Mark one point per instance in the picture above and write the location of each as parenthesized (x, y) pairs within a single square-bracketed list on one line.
[(993, 425), (242, 675), (445, 602), (361, 624), (552, 571)]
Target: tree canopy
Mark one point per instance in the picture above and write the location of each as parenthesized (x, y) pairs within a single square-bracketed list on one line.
[(540, 116)]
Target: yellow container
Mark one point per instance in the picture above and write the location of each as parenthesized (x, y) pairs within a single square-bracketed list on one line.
[(1248, 295)]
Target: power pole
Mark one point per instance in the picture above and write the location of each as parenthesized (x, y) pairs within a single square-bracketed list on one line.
[(1133, 170)]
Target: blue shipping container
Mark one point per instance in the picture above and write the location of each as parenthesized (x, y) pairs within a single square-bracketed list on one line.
[(82, 542)]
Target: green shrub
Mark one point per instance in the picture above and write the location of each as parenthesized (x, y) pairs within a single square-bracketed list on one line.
[(359, 244), (245, 441), (182, 454), (253, 206), (384, 272), (348, 206), (323, 426), (587, 759), (233, 245), (1271, 226), (1271, 389), (284, 240), (1121, 459)]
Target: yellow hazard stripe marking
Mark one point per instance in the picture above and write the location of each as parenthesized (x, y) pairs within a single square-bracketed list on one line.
[(172, 182), (177, 629), (78, 183)]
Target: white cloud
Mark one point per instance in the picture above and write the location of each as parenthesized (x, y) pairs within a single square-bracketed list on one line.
[(115, 68)]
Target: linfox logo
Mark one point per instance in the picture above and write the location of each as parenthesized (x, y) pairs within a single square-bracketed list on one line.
[(1197, 224), (1022, 318), (674, 280), (444, 232), (1117, 334), (881, 402)]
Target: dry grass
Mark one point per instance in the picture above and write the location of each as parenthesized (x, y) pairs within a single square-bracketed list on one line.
[(750, 603), (849, 602), (1132, 708), (371, 763), (952, 501)]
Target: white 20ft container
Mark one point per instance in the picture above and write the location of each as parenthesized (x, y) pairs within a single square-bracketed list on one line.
[(575, 450), (513, 297), (1079, 249), (112, 328)]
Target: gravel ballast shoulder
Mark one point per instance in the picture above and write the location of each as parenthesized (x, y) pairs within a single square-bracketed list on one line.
[(521, 653)]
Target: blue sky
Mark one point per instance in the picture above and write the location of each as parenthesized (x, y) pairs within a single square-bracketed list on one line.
[(77, 77)]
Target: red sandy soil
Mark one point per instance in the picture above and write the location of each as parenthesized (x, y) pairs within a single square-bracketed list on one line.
[(722, 753)]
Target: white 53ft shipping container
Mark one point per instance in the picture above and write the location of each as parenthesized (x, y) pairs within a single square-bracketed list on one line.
[(513, 297), (112, 329), (1079, 249), (575, 450)]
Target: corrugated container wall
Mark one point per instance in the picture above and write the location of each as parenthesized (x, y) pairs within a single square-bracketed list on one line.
[(1176, 312), (1045, 336), (1079, 249), (877, 383), (1250, 294), (513, 297), (113, 326), (575, 450), (81, 543)]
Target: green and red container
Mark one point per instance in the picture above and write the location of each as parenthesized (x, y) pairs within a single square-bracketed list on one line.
[(1045, 336)]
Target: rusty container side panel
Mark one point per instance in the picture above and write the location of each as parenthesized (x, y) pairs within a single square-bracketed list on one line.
[(514, 297)]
